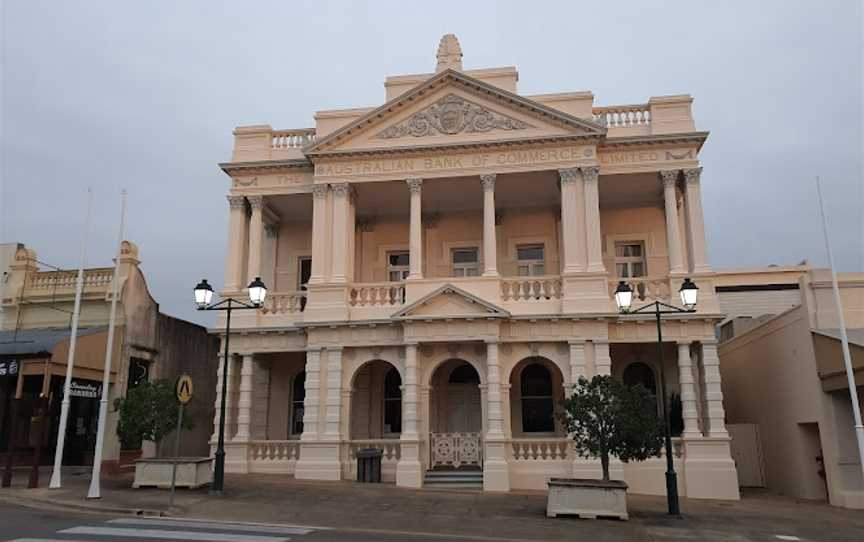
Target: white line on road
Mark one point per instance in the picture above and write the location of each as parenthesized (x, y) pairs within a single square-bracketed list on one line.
[(175, 535), (167, 522)]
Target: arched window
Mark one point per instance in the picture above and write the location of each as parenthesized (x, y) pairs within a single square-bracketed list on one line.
[(392, 402), (640, 373), (537, 404), (298, 395)]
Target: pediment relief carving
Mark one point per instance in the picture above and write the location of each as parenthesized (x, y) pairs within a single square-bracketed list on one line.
[(452, 115), (450, 302)]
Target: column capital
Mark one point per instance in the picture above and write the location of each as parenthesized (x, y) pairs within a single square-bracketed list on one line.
[(692, 175), (414, 184), (487, 180), (236, 202), (319, 191), (684, 342), (256, 202), (568, 175), (342, 189), (669, 176), (590, 174)]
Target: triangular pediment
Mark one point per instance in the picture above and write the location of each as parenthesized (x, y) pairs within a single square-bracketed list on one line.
[(452, 108), (450, 302)]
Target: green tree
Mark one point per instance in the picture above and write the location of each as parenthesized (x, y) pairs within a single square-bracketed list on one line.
[(606, 418), (148, 412)]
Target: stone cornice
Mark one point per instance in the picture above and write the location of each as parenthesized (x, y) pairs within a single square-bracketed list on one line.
[(264, 165), (459, 78), (422, 149), (659, 139)]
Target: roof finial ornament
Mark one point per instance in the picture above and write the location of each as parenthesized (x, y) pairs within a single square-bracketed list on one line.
[(449, 54)]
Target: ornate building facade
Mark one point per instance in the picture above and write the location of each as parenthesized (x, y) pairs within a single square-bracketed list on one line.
[(441, 270)]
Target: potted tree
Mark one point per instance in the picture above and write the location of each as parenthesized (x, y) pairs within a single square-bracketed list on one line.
[(605, 419)]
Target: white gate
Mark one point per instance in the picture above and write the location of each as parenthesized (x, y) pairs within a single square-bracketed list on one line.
[(456, 450)]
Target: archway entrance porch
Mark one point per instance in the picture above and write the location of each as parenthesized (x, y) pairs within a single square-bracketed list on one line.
[(456, 415)]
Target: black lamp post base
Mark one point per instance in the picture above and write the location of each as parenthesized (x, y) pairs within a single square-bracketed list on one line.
[(672, 493)]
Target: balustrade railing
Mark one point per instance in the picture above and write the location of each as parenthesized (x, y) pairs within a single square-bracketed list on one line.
[(292, 139), (391, 448), (623, 116), (285, 302), (274, 450), (531, 288), (59, 280), (541, 449), (377, 295), (644, 288)]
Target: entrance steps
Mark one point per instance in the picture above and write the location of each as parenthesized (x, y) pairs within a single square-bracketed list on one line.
[(453, 479)]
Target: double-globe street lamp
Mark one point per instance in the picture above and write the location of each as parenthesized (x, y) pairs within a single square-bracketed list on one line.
[(689, 293), (203, 298)]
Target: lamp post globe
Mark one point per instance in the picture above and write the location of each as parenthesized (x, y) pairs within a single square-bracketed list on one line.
[(689, 294), (257, 292), (623, 296), (203, 294)]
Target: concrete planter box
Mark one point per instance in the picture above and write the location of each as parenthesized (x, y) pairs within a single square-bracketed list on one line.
[(587, 498), (192, 472)]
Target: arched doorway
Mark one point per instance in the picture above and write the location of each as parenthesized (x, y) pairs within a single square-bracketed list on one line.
[(536, 392), (376, 402), (456, 416)]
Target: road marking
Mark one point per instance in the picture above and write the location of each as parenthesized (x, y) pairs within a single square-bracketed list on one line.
[(167, 522), (786, 537), (175, 535)]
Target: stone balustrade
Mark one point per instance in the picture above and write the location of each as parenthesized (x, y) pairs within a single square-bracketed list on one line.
[(391, 448), (381, 294), (49, 281), (292, 139), (274, 450), (285, 302), (541, 449), (531, 288), (645, 289), (623, 116)]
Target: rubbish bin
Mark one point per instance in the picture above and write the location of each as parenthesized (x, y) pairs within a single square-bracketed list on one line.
[(369, 465)]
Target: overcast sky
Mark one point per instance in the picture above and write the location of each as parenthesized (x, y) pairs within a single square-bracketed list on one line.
[(144, 95)]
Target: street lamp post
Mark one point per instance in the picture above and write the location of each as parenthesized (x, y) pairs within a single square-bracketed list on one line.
[(689, 294), (203, 298)]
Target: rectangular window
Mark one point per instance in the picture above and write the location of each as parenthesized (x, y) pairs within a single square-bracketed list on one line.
[(531, 260), (630, 259), (397, 266), (465, 262)]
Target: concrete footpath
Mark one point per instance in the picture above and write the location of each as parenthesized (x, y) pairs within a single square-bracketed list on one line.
[(367, 508)]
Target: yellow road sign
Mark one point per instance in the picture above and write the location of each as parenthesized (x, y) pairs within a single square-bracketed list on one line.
[(184, 388)]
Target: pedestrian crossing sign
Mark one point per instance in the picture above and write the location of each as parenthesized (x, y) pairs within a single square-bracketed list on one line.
[(184, 388)]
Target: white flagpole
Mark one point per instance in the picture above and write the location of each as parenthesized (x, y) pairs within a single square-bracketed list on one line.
[(94, 491), (844, 340), (70, 360)]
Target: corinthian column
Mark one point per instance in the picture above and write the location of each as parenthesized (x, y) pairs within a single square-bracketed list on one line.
[(673, 235), (340, 231), (594, 241), (695, 220), (235, 260), (490, 247), (319, 234), (256, 236), (415, 237), (573, 219)]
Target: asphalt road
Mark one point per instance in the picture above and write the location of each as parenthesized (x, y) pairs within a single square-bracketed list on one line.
[(24, 524)]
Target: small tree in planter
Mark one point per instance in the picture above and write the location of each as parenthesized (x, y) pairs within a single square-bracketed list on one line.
[(148, 412), (605, 418)]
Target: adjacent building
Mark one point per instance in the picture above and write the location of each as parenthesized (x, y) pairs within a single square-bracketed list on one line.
[(440, 271), (784, 383), (35, 337)]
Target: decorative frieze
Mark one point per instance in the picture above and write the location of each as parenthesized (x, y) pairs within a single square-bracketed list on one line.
[(451, 115)]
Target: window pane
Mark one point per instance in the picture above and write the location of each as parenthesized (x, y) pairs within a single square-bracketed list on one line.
[(468, 255), (473, 272), (529, 252), (538, 269), (392, 416), (622, 269), (399, 259), (459, 272), (297, 419), (523, 270), (537, 415), (636, 269)]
